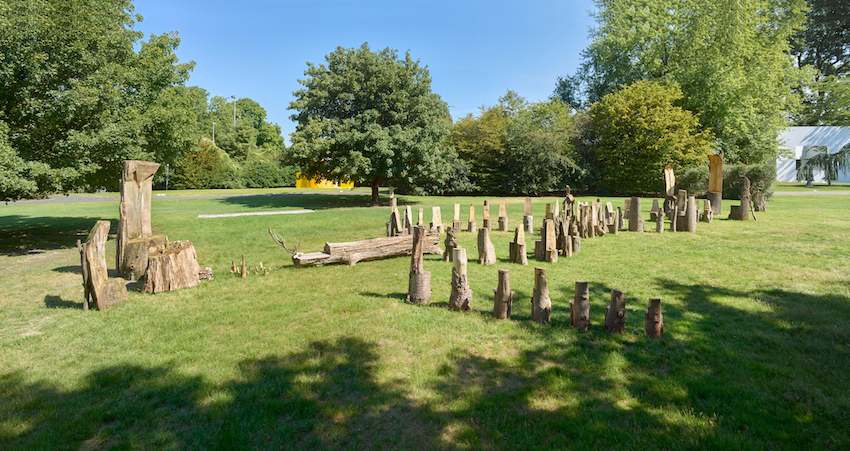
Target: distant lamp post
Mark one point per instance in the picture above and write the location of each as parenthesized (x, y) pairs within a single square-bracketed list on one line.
[(213, 132), (234, 112), (166, 176)]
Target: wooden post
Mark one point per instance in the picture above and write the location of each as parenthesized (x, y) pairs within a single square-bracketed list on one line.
[(659, 223), (171, 267), (504, 297), (244, 270), (419, 286), (471, 224), (134, 210), (407, 228), (655, 212), (541, 305), (691, 214), (421, 219), (669, 186), (653, 319), (635, 221), (450, 243), (395, 218), (486, 251), (503, 217), (715, 182), (550, 250), (486, 220), (461, 296), (456, 220), (674, 216), (517, 247), (707, 212), (615, 314), (528, 219), (621, 219), (576, 238), (746, 200), (580, 307), (436, 220)]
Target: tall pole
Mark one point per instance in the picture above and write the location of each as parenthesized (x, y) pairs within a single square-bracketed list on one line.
[(234, 112)]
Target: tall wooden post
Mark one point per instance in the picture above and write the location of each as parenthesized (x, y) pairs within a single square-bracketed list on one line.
[(715, 182), (541, 305), (669, 186), (419, 286), (436, 220), (615, 314), (503, 217), (450, 243), (456, 220), (504, 297), (550, 250), (528, 219), (134, 223), (653, 319), (486, 251), (486, 221), (691, 214), (635, 221), (580, 307), (461, 296), (746, 199), (517, 247), (471, 225)]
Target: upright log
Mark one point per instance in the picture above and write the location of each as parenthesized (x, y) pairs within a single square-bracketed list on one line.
[(419, 286), (746, 200), (504, 297), (486, 251), (436, 220), (621, 219), (635, 221), (655, 212), (134, 211), (541, 305), (420, 220), (96, 283), (486, 219), (471, 226), (450, 243), (615, 314), (653, 319), (517, 247), (580, 307), (659, 223), (461, 296), (707, 211), (669, 186), (715, 182), (576, 238), (550, 250), (456, 220), (527, 218), (171, 267), (691, 215), (503, 217), (408, 221)]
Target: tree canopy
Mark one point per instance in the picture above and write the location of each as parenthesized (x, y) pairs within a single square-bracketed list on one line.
[(78, 99), (369, 117), (729, 59)]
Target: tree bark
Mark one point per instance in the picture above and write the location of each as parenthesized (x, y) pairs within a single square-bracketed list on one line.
[(504, 297), (374, 192), (580, 307), (135, 207), (615, 314), (96, 283), (419, 287), (172, 267), (541, 305), (653, 319)]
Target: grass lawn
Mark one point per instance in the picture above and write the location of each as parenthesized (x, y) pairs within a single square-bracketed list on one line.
[(801, 186), (754, 353)]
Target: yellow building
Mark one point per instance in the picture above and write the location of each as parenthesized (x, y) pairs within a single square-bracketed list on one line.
[(303, 182)]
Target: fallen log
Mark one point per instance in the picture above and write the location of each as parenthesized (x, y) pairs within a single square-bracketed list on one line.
[(373, 249)]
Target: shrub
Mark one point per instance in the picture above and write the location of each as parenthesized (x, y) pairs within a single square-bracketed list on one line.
[(205, 166), (267, 174), (695, 180)]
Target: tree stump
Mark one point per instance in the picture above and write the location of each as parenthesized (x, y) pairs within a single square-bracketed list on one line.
[(420, 221), (503, 218), (517, 247), (653, 319), (486, 251), (471, 225), (172, 267), (408, 222), (691, 215), (456, 220), (450, 243), (541, 305), (621, 220), (707, 212), (136, 251), (659, 224), (550, 249), (419, 287), (674, 217), (580, 307), (461, 296), (655, 212), (135, 208), (504, 297), (528, 223), (486, 221), (746, 200), (436, 220), (576, 238), (96, 283), (615, 314), (715, 182)]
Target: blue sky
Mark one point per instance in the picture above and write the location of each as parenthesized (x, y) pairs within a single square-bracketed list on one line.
[(474, 50)]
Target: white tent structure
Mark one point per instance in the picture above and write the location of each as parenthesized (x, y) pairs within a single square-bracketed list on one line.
[(806, 142)]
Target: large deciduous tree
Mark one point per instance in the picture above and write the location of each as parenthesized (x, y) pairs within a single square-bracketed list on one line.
[(729, 58), (635, 131), (369, 117), (78, 98)]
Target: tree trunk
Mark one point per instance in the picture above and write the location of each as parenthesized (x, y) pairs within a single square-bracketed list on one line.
[(580, 307), (486, 251), (450, 243), (136, 251), (374, 192), (419, 287), (375, 249), (96, 283), (634, 215), (541, 305), (691, 215), (615, 314), (504, 297), (461, 296), (135, 207), (172, 267), (653, 319), (746, 201)]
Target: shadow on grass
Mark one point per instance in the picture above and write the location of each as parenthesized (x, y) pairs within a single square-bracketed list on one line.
[(57, 302), (309, 200), (22, 235)]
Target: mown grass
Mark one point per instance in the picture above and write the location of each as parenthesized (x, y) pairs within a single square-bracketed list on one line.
[(753, 354), (801, 187)]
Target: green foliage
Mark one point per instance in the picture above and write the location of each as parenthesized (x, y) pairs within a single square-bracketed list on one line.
[(634, 132), (728, 57), (832, 164), (266, 174), (369, 117), (206, 166), (825, 101), (695, 180), (481, 142), (78, 98)]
